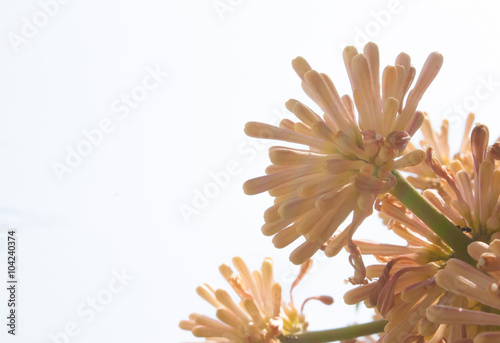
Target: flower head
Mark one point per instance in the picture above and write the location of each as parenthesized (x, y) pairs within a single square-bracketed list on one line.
[(348, 158), (261, 316)]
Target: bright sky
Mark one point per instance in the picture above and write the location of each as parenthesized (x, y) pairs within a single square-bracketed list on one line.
[(119, 114)]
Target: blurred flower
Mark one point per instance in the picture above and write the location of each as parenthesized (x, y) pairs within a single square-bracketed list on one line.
[(261, 316), (349, 158)]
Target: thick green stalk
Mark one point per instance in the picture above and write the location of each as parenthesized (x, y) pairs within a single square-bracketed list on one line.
[(433, 218), (349, 332)]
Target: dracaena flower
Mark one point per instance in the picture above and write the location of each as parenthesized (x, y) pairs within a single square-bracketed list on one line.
[(403, 284), (348, 157), (425, 293), (467, 194), (261, 315)]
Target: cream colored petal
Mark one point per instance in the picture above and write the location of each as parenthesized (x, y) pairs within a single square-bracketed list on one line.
[(304, 252), (429, 71), (254, 311), (301, 111), (266, 131), (389, 84), (459, 285), (358, 294), (296, 207), (224, 298), (324, 183), (373, 57), (369, 118), (289, 156), (187, 325), (242, 268), (348, 54), (286, 236), (477, 248), (267, 283), (267, 182), (452, 315), (270, 229), (300, 66), (229, 318), (208, 295), (489, 262), (390, 112)]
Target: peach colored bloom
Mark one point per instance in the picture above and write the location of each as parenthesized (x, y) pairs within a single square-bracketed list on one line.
[(348, 158), (422, 300), (261, 316)]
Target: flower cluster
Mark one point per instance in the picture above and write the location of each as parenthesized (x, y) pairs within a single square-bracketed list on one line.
[(261, 316), (442, 285), (404, 285), (425, 293), (348, 156)]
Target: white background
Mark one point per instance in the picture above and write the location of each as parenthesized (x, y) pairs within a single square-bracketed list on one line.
[(119, 208)]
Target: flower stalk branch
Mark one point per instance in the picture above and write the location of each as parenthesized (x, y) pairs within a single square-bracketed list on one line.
[(432, 217), (333, 335)]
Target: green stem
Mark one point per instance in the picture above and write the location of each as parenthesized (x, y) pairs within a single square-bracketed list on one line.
[(433, 218), (349, 332)]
